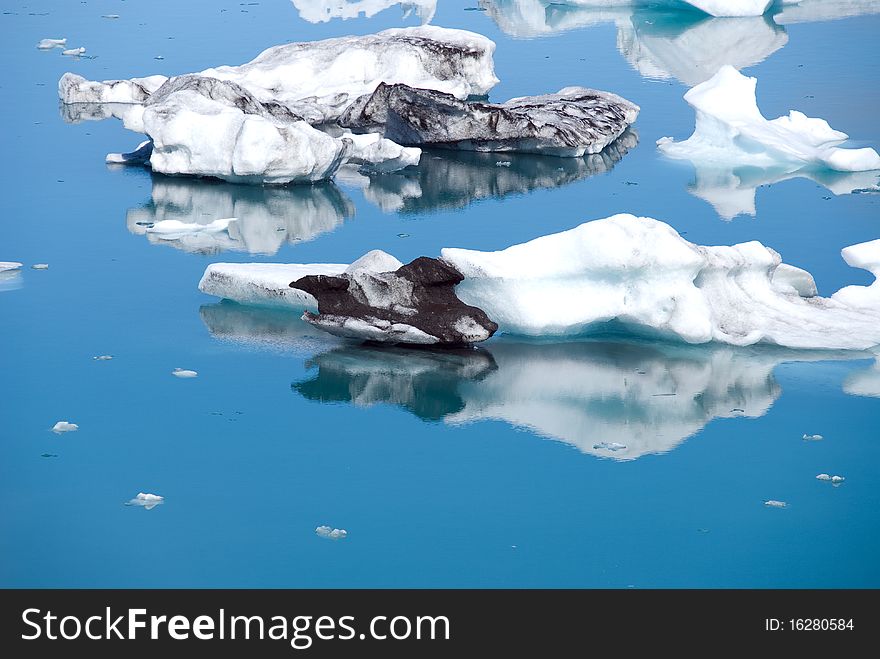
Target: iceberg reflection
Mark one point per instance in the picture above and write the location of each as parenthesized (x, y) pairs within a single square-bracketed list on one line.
[(266, 217), (322, 11), (454, 179), (620, 400)]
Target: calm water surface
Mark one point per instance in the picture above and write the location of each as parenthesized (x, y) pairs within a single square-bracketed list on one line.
[(480, 468)]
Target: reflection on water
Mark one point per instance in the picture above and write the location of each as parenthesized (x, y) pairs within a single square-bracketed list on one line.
[(613, 399), (454, 179), (267, 217), (10, 280), (321, 11), (731, 191), (660, 44), (864, 383)]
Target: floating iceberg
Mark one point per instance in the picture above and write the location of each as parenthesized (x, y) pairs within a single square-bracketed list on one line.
[(804, 11), (641, 274), (570, 123), (322, 11), (268, 217), (731, 7), (184, 373), (64, 426), (773, 503), (103, 358), (416, 303), (630, 273), (812, 438), (730, 130), (74, 52), (40, 266), (175, 229), (317, 80), (333, 534), (146, 500), (613, 399)]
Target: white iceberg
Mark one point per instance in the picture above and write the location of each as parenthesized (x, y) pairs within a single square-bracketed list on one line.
[(74, 52), (837, 480), (40, 266), (812, 438), (730, 130), (802, 11), (175, 229), (64, 426), (48, 44), (146, 500), (641, 274), (9, 266), (317, 80), (377, 154), (184, 373), (823, 477), (731, 7), (333, 534), (103, 358), (773, 503), (322, 11), (268, 216)]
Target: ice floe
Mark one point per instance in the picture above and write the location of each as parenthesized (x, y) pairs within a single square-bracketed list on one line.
[(731, 7), (268, 217), (812, 438), (103, 358), (641, 274), (74, 52), (184, 373), (175, 229), (834, 480), (625, 273), (333, 534), (570, 123), (48, 44), (64, 426), (40, 266), (730, 131), (322, 11), (773, 503), (146, 500), (613, 399)]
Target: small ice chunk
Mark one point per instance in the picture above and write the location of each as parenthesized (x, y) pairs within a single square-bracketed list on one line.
[(823, 477), (146, 500), (333, 534), (64, 426), (6, 266), (110, 16), (609, 446), (502, 163), (175, 229), (837, 479), (184, 373), (140, 155), (773, 503), (40, 266), (103, 358), (812, 438), (48, 44), (375, 261), (74, 52)]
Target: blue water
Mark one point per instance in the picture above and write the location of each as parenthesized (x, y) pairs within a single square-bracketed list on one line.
[(461, 470)]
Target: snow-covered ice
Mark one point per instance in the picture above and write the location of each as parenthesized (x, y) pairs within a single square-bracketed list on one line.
[(773, 503), (40, 266), (731, 7), (730, 130), (264, 284), (184, 373), (376, 154), (48, 44), (175, 229), (333, 534), (812, 438), (642, 274), (823, 477), (64, 426), (74, 52), (321, 11)]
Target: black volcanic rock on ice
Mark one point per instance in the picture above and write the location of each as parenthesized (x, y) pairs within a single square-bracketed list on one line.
[(415, 304), (573, 122)]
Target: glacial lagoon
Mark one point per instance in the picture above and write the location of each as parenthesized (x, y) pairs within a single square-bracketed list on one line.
[(614, 461)]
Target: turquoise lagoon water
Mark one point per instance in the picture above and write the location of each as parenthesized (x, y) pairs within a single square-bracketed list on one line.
[(474, 468)]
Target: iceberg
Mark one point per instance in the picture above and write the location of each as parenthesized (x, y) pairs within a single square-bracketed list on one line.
[(730, 130), (614, 399), (49, 44), (268, 217), (146, 500), (184, 373), (773, 503), (175, 229), (331, 533), (64, 426), (10, 266), (317, 80), (731, 7), (570, 123), (322, 11), (640, 274), (803, 11), (622, 273)]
